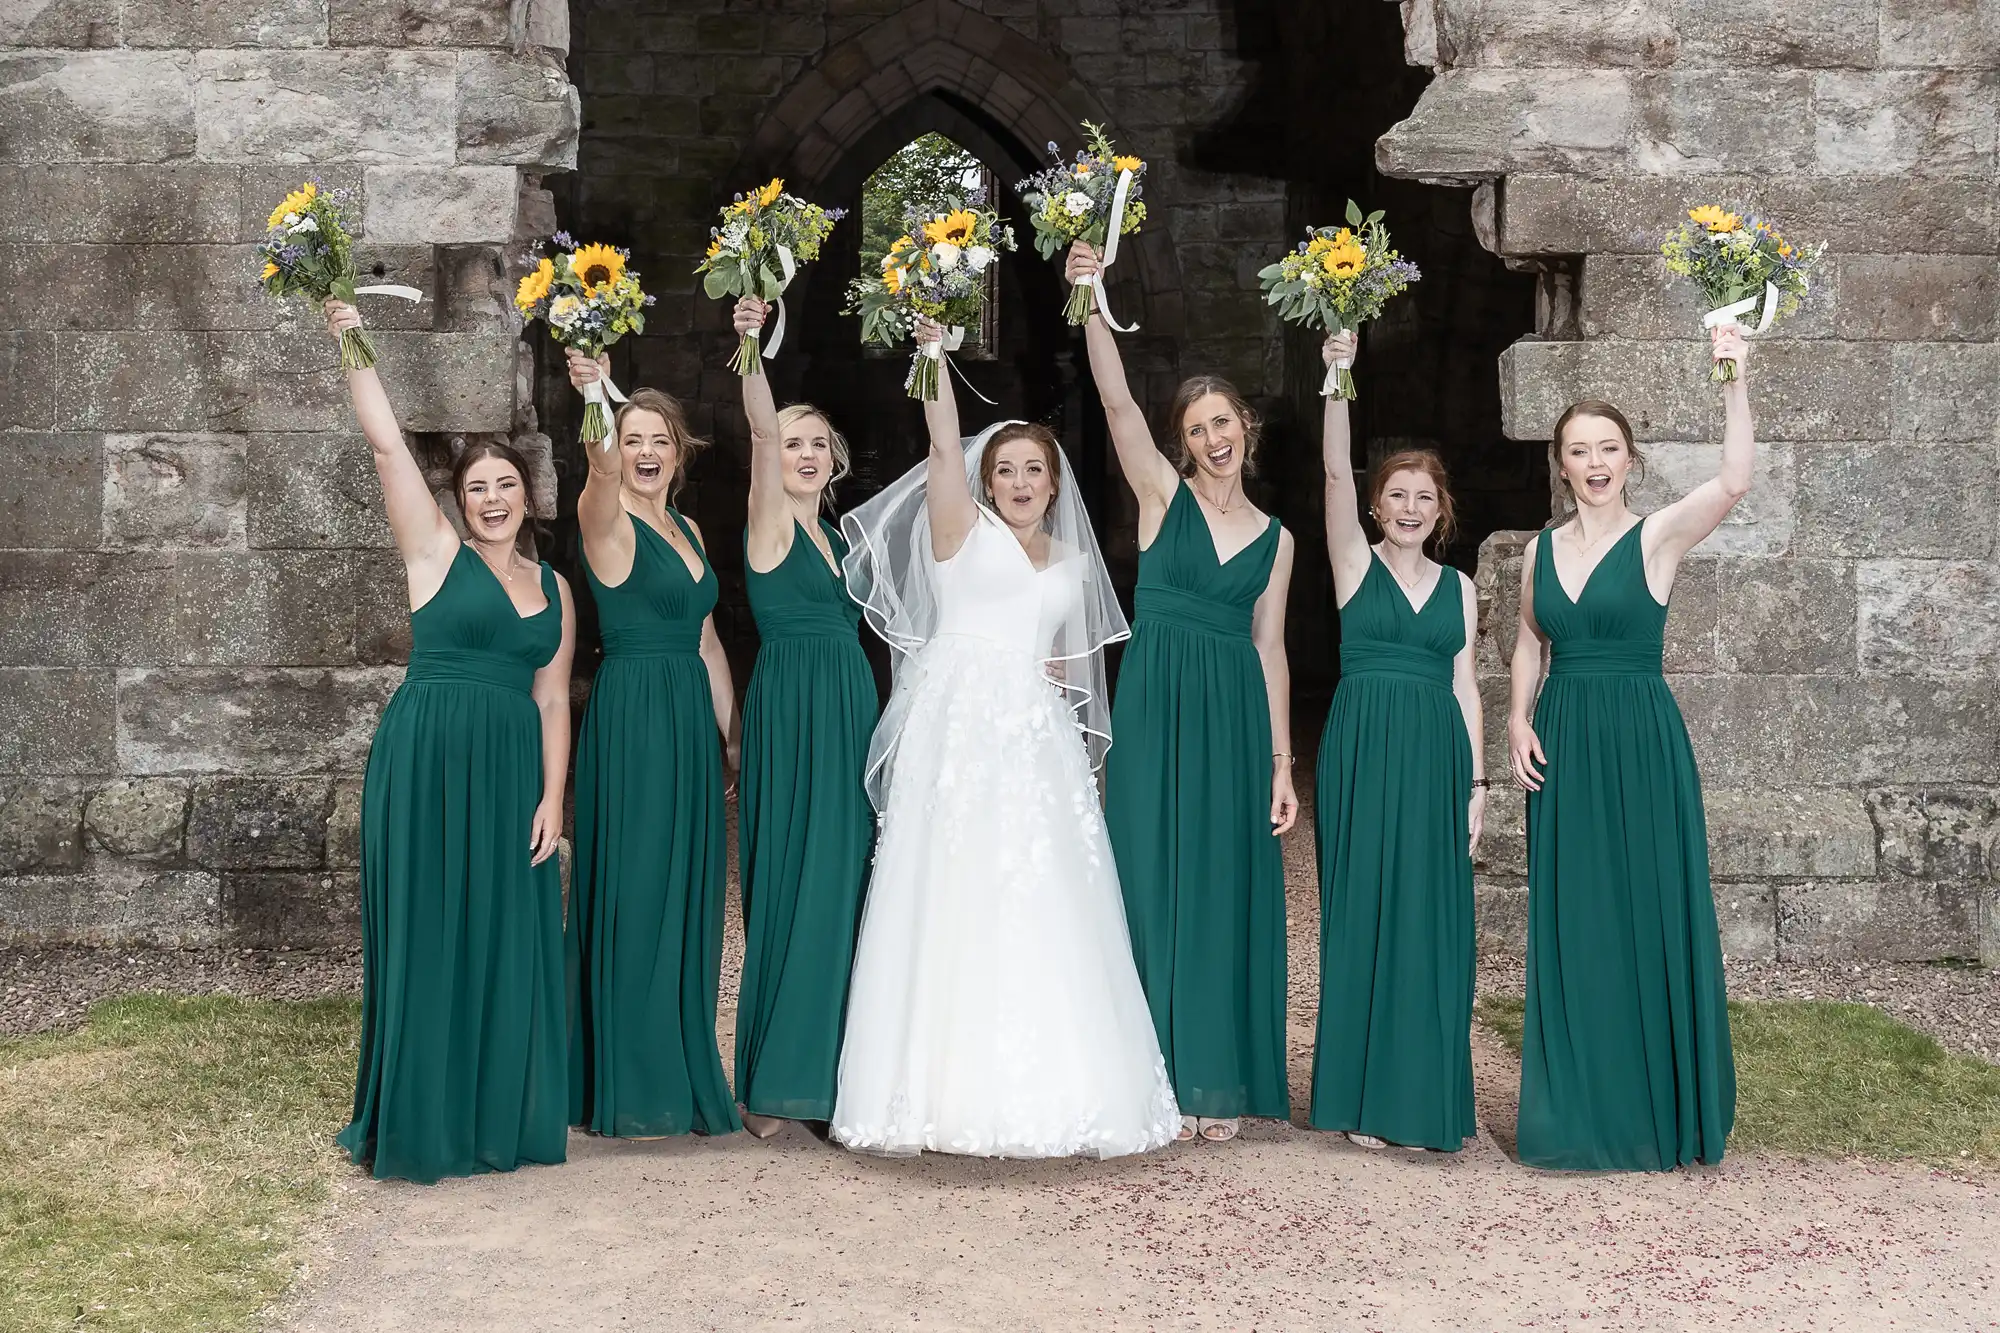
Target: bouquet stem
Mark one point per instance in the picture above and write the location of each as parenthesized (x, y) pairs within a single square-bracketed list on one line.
[(357, 350), (596, 414), (1339, 384), (923, 381), (749, 358), (1723, 372), (1082, 301)]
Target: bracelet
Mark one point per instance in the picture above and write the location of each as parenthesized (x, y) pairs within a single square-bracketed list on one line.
[(1280, 754), (1482, 782)]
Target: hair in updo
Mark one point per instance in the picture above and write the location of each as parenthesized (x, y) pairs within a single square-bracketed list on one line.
[(1591, 407), (1045, 440), (668, 408), (1193, 391), (792, 414), (1427, 462)]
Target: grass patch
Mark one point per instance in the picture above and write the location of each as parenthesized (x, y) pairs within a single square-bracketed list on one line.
[(157, 1164), (1818, 1079)]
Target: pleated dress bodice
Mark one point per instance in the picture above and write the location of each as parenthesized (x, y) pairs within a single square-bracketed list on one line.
[(645, 928), (1184, 584), (1383, 637), (1614, 627), (803, 597), (471, 633)]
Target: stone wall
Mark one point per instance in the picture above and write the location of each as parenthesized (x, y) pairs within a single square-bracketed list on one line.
[(199, 618), (1836, 645)]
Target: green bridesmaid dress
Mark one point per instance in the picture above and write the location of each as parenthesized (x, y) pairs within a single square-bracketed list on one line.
[(644, 942), (1188, 802), (461, 1065), (804, 831), (1625, 1062), (1394, 1052)]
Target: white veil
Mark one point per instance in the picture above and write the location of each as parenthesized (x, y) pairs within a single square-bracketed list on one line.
[(893, 575)]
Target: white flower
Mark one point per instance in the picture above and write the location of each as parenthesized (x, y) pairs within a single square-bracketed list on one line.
[(977, 257), (946, 254), (291, 219), (307, 223), (1076, 203)]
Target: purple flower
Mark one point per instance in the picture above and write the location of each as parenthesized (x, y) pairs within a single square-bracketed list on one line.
[(649, 298), (564, 239), (1053, 149), (836, 213), (975, 196)]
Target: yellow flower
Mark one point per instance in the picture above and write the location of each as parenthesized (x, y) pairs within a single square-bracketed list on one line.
[(296, 202), (270, 271), (535, 285), (597, 266), (1131, 164), (892, 278), (1082, 169), (1344, 260), (714, 247), (1713, 218), (769, 194), (955, 227), (1785, 249)]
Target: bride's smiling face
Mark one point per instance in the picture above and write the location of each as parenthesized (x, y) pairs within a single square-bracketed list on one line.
[(1021, 481)]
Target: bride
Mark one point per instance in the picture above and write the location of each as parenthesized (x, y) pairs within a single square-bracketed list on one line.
[(994, 1009)]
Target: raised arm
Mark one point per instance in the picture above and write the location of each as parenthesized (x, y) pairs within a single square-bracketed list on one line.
[(1146, 469), (1465, 687), (600, 513), (1346, 541), (1267, 631), (551, 692), (1524, 747), (1684, 524), (771, 529), (423, 534), (947, 493)]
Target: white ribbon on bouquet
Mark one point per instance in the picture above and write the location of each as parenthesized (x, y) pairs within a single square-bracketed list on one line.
[(790, 268), (1729, 314), (1331, 383), (410, 294), (1111, 233), (603, 392), (954, 338)]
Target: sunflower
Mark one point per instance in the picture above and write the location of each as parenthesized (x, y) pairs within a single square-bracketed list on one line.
[(270, 271), (714, 246), (597, 267), (535, 285), (1131, 164), (954, 227), (1344, 260), (1715, 219), (298, 201), (769, 194)]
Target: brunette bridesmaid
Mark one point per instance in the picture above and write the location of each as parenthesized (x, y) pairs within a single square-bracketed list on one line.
[(645, 917), (461, 1066), (1625, 1062)]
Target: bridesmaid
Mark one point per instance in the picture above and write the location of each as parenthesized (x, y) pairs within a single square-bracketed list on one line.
[(1197, 790), (804, 820), (645, 917), (461, 1065), (1401, 798), (1625, 1063)]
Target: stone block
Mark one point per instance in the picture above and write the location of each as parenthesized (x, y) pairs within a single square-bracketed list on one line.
[(1694, 617), (1937, 833), (473, 292), (451, 382), (516, 109), (27, 380), (1500, 914), (259, 824), (1919, 298), (166, 203), (1486, 122), (281, 608), (256, 721), (202, 24), (1753, 35), (409, 265), (66, 287), (50, 491), (1944, 392), (1791, 617), (60, 23), (47, 615), (1503, 848), (1760, 524), (1576, 35), (303, 911), (1883, 500), (1927, 123), (113, 903), (1766, 833), (98, 106), (343, 826), (1928, 617), (191, 287), (169, 490), (137, 819), (41, 824), (314, 491), (1747, 918), (1803, 391), (1783, 731), (1548, 214), (451, 23), (382, 610), (1954, 34), (1901, 922), (59, 721), (1719, 119), (442, 205), (338, 106)]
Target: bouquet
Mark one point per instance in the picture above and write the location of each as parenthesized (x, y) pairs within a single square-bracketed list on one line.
[(936, 270), (1338, 279), (307, 252), (589, 300), (763, 239), (1094, 199), (1739, 266)]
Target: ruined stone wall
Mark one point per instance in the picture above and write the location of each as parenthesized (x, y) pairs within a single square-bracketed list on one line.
[(199, 618), (1836, 645)]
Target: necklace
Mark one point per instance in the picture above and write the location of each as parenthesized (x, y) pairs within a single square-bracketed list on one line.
[(506, 575), (1422, 572), (1217, 505)]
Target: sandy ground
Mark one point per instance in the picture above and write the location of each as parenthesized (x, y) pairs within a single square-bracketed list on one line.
[(1285, 1229)]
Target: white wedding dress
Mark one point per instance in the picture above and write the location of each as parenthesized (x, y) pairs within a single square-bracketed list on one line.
[(995, 1009)]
